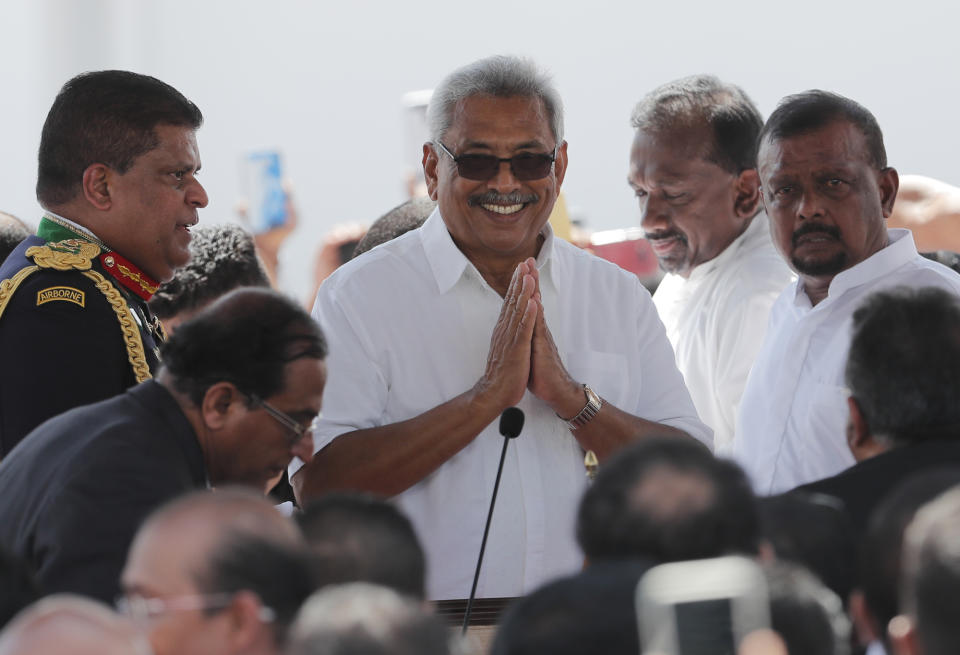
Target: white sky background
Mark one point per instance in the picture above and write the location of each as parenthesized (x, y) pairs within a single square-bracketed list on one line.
[(322, 81)]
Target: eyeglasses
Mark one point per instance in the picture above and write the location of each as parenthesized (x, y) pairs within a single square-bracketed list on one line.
[(142, 609), (525, 167), (283, 418)]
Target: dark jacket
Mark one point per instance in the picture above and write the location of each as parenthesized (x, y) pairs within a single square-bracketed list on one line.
[(76, 489)]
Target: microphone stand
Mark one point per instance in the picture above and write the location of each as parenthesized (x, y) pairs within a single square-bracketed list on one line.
[(511, 422)]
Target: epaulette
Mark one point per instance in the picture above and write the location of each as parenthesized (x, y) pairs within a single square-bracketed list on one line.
[(78, 255)]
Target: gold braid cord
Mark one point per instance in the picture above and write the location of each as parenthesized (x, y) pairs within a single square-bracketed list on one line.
[(131, 334), (7, 287), (74, 254)]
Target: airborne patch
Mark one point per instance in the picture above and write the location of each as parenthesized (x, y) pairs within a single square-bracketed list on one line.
[(68, 294)]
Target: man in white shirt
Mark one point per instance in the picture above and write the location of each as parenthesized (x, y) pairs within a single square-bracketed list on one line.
[(693, 169), (828, 191), (418, 382)]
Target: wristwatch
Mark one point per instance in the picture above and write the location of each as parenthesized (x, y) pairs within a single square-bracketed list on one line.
[(594, 403)]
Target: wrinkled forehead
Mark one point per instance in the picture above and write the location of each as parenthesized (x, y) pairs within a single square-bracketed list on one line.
[(836, 143)]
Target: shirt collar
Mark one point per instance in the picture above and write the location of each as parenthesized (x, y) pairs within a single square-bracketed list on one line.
[(72, 225), (757, 229), (900, 250), (448, 263)]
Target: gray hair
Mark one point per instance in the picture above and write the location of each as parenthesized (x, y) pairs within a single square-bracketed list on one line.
[(365, 619), (704, 100), (499, 76)]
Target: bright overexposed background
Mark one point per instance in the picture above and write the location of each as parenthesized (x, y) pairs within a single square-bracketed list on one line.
[(323, 81)]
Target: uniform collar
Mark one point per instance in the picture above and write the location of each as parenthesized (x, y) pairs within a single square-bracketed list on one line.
[(57, 228), (448, 263)]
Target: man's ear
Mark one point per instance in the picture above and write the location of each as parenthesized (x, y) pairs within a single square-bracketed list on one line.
[(247, 617), (858, 431), (560, 165), (218, 401), (431, 161), (889, 182), (96, 187), (747, 199)]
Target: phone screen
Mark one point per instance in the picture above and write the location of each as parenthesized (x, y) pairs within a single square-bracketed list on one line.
[(705, 627)]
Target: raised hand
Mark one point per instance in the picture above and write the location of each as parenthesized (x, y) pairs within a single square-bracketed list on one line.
[(549, 379), (508, 361)]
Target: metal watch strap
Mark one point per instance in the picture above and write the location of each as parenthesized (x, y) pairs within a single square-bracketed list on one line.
[(594, 403)]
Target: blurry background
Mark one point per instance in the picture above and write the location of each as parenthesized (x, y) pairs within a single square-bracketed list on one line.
[(324, 82)]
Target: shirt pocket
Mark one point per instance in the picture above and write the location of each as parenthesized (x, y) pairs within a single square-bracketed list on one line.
[(606, 373)]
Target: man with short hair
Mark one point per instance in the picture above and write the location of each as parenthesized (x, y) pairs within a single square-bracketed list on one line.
[(232, 587), (827, 189), (693, 169), (929, 622), (76, 489), (117, 177), (418, 382), (222, 258), (363, 538), (903, 373), (665, 500)]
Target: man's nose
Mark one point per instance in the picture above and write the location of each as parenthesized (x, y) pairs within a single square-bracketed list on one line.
[(303, 448), (810, 205), (197, 195), (653, 214), (504, 181)]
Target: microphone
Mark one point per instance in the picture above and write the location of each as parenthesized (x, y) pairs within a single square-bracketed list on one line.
[(511, 423)]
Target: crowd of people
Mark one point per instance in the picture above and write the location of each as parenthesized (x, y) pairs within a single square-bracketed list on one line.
[(191, 462)]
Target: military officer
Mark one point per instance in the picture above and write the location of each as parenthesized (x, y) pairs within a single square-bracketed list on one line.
[(118, 162)]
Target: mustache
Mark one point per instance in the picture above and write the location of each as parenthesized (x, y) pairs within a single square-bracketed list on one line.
[(665, 234), (810, 228), (492, 197)]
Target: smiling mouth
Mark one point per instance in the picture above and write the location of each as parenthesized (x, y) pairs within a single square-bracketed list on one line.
[(503, 209)]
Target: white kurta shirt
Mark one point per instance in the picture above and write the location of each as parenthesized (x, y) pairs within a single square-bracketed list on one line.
[(792, 423), (409, 327), (716, 319)]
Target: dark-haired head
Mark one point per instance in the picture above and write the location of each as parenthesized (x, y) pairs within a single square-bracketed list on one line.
[(903, 369), (362, 538), (806, 112), (668, 499), (222, 258), (247, 337), (105, 117), (703, 100)]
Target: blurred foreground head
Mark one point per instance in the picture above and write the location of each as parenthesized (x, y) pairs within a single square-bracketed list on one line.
[(362, 538), (71, 625), (668, 499), (216, 573), (365, 619)]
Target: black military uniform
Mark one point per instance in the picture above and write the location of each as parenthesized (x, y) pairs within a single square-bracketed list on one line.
[(74, 327)]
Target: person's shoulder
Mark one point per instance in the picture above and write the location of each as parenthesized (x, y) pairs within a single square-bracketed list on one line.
[(401, 256)]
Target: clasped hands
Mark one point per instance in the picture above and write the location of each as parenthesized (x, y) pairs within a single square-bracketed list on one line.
[(523, 354)]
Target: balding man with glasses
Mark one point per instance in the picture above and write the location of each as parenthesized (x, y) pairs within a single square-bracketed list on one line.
[(233, 587), (241, 385), (418, 382)]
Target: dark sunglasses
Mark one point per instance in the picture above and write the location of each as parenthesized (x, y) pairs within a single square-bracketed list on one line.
[(525, 167)]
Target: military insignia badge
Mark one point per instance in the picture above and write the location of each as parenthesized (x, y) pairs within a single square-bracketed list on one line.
[(66, 294), (71, 254)]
